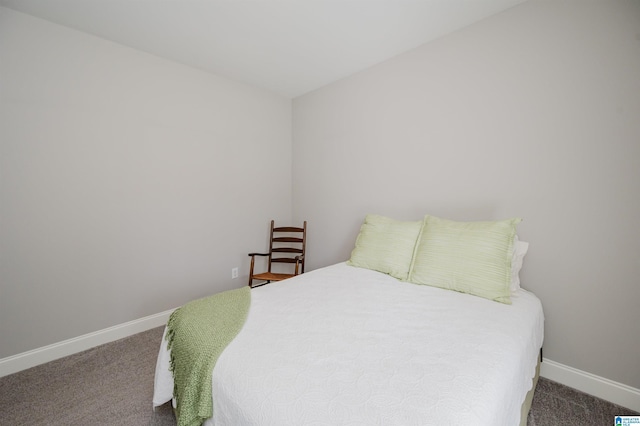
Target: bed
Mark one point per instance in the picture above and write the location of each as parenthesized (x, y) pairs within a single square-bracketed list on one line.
[(347, 345)]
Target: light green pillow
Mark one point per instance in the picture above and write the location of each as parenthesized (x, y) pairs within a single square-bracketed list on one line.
[(470, 257), (386, 245)]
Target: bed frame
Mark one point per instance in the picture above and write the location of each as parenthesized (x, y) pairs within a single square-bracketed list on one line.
[(526, 405)]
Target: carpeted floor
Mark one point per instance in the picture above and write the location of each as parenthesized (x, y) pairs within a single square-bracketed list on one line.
[(113, 385)]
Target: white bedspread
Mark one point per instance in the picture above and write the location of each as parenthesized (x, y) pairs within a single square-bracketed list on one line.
[(348, 346)]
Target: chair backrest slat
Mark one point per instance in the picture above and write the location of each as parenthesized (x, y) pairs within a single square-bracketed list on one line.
[(287, 250), (288, 229), (283, 260), (287, 240)]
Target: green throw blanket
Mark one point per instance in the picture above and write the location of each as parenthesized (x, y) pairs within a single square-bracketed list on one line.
[(197, 333)]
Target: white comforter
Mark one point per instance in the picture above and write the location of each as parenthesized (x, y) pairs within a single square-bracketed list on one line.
[(349, 346)]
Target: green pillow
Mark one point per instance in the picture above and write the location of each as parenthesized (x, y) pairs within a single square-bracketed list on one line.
[(470, 257), (386, 245)]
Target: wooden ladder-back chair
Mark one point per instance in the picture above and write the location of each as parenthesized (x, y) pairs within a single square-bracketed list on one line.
[(286, 245)]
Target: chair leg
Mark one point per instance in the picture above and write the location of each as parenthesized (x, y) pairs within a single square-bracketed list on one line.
[(253, 258)]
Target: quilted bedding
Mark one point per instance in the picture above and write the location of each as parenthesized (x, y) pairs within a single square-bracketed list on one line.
[(349, 346)]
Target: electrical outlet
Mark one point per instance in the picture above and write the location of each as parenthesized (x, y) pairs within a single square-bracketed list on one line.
[(234, 273)]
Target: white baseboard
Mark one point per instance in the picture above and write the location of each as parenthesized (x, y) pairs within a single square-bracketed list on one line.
[(38, 356), (606, 389)]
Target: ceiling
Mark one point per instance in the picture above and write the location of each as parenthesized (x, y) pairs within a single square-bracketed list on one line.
[(289, 47)]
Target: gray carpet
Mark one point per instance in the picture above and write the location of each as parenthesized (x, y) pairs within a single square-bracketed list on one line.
[(113, 385)]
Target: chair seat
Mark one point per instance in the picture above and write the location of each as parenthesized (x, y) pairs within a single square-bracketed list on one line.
[(271, 276)]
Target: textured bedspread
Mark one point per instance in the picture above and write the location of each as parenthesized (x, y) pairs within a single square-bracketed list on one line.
[(348, 346)]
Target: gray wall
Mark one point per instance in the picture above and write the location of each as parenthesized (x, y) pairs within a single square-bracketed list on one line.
[(128, 184), (534, 113)]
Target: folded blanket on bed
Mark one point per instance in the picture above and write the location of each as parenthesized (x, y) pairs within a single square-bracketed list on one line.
[(197, 333)]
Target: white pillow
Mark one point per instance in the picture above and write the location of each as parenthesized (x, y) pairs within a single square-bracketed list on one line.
[(520, 249)]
